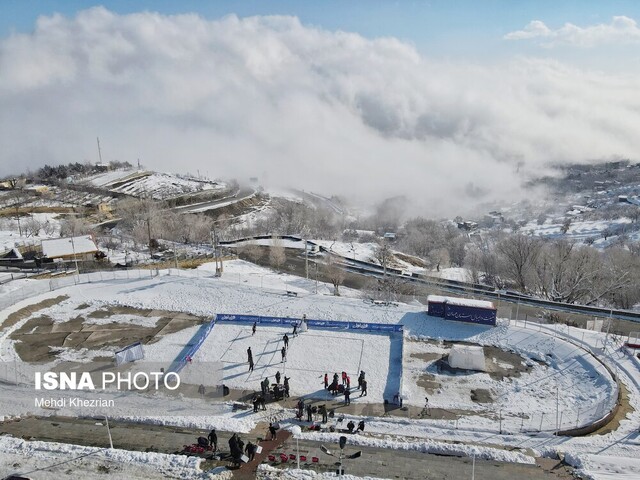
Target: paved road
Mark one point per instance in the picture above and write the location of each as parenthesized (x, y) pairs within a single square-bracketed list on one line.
[(377, 462), (239, 195)]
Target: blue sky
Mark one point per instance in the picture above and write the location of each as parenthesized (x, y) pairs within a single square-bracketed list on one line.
[(435, 27)]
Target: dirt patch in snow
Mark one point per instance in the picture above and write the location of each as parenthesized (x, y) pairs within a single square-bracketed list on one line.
[(623, 412), (25, 312), (481, 395), (39, 340), (502, 364), (428, 382)]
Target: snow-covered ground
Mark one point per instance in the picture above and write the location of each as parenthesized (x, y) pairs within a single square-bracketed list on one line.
[(162, 186), (46, 224), (47, 460), (563, 377), (579, 230)]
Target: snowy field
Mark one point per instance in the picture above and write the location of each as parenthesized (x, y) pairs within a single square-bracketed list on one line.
[(561, 372), (310, 355), (163, 185)]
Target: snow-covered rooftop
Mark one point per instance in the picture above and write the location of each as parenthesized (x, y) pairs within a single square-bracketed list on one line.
[(60, 247), (463, 302)]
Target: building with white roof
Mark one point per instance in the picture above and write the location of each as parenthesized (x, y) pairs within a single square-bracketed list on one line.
[(79, 248)]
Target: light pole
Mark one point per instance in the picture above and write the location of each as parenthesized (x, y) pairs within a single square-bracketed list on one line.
[(216, 255), (75, 257), (306, 259), (109, 432), (342, 443)]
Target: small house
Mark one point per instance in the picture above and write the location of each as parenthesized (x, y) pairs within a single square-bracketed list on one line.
[(80, 248)]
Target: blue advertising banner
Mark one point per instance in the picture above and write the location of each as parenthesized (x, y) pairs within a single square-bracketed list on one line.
[(330, 324), (461, 313), (192, 347)]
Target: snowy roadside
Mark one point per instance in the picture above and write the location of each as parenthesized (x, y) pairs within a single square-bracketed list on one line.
[(48, 460)]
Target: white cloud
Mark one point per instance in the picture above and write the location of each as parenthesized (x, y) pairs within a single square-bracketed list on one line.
[(291, 104), (621, 30)]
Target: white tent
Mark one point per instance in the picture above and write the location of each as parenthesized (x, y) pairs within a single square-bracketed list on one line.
[(467, 357)]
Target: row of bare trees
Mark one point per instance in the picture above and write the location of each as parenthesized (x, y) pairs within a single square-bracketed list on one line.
[(554, 269), (557, 269), (146, 221)]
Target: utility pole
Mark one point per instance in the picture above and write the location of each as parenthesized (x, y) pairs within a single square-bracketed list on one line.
[(18, 218), (75, 257), (306, 259), (557, 405), (99, 152), (213, 245), (216, 253)]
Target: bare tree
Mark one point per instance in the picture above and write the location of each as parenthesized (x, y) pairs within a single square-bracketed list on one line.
[(201, 228), (139, 213), (32, 226), (111, 243), (566, 272), (334, 273), (439, 256), (383, 255), (251, 250), (73, 226), (277, 255), (519, 254)]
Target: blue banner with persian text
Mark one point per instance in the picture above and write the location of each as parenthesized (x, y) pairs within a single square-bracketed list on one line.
[(324, 324)]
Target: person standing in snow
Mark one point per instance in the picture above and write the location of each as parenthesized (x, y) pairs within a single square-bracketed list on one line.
[(323, 411), (364, 388), (272, 431), (286, 387), (253, 329), (347, 397), (251, 364), (236, 453), (295, 329), (344, 378), (240, 445), (360, 379), (250, 450), (326, 381), (309, 413), (360, 426), (285, 339), (348, 382), (278, 377), (249, 355), (283, 352), (213, 439)]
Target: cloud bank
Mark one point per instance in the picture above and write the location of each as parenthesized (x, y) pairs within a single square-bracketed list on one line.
[(621, 30), (294, 105)]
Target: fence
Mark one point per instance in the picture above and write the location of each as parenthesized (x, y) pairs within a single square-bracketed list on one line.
[(11, 296), (580, 416)]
